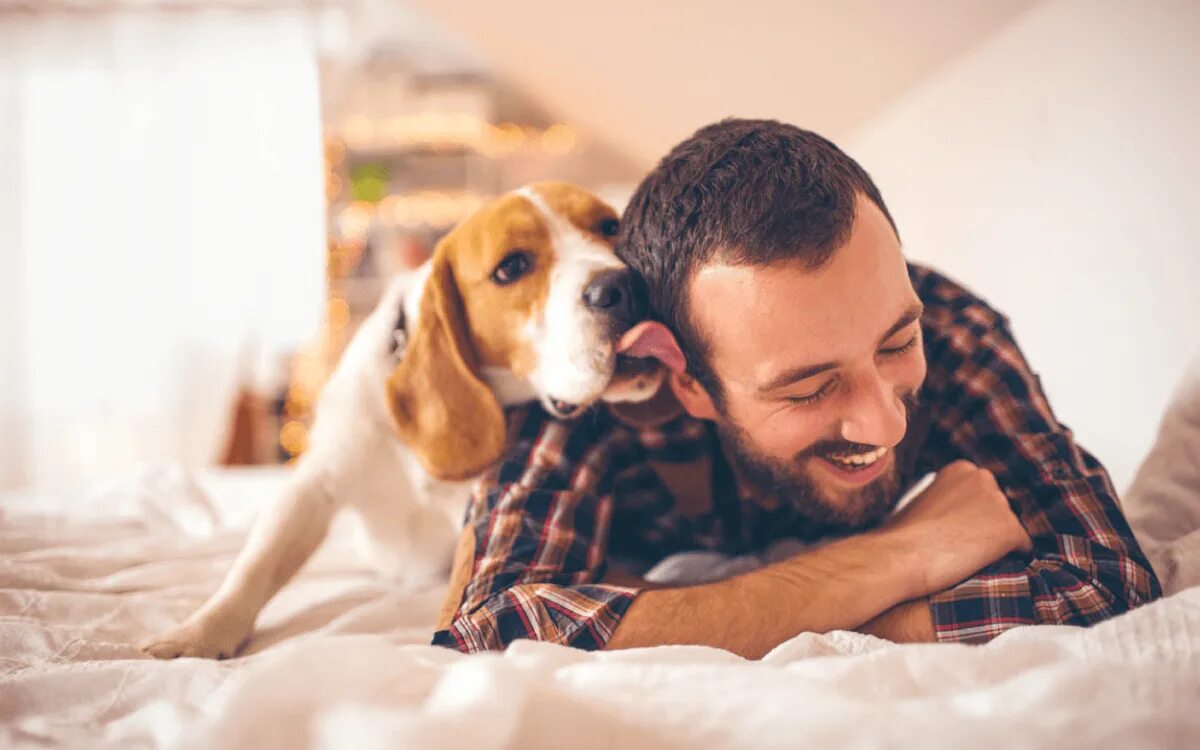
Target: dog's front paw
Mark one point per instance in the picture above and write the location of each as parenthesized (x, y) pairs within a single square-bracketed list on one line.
[(203, 637)]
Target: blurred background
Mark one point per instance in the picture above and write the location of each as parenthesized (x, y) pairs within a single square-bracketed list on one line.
[(200, 199)]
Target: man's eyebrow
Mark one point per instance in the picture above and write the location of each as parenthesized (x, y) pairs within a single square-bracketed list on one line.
[(913, 312), (796, 374)]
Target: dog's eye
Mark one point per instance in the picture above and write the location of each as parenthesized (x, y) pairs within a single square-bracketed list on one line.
[(609, 227), (514, 266)]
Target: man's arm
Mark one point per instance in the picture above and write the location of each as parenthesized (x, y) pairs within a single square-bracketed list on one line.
[(836, 586), (960, 523)]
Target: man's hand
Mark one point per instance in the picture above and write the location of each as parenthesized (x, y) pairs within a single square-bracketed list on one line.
[(963, 522)]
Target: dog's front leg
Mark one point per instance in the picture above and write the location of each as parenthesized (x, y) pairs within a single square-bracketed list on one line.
[(283, 537)]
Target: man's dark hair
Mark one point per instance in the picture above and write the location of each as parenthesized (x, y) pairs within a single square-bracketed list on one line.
[(740, 192)]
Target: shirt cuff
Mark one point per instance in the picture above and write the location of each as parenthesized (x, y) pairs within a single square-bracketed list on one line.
[(581, 616), (984, 606)]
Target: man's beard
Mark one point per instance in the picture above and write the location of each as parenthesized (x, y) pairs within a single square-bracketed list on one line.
[(788, 482)]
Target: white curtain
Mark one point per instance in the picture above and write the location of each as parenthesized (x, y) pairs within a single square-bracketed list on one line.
[(161, 222)]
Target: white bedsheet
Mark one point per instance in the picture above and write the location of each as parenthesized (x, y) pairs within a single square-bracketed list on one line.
[(340, 659)]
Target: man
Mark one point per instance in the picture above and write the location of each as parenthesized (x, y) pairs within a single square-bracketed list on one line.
[(822, 375)]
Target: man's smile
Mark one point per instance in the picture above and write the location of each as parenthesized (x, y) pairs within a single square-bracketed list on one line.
[(857, 469)]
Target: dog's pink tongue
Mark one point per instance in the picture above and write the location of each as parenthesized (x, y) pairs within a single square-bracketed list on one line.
[(652, 339)]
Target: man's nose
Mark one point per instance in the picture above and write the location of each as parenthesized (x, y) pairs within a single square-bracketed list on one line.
[(876, 414), (616, 293)]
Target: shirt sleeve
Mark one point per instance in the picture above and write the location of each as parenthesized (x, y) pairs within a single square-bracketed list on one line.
[(1086, 565), (541, 532)]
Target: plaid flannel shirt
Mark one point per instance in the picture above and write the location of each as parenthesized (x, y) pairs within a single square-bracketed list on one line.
[(573, 496)]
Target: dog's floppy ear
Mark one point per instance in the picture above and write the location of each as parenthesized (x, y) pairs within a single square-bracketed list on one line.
[(442, 409)]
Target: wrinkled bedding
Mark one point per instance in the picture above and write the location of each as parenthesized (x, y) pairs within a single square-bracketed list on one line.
[(340, 656)]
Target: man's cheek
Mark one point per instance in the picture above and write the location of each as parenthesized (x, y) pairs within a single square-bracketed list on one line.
[(795, 437)]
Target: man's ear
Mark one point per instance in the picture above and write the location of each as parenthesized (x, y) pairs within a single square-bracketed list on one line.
[(441, 407), (694, 397), (653, 412), (651, 338)]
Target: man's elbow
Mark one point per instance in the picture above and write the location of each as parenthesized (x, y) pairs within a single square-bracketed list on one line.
[(1141, 585), (1131, 582), (1111, 588)]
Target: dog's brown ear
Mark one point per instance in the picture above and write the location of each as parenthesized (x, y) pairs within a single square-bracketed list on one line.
[(442, 408)]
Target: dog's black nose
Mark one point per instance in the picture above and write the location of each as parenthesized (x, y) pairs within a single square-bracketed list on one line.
[(616, 293)]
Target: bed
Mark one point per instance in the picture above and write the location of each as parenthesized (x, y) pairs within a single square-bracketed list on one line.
[(340, 658)]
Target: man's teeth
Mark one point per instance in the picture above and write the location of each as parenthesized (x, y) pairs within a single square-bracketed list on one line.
[(860, 459)]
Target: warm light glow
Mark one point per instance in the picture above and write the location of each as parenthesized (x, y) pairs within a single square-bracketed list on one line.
[(425, 208), (436, 129), (360, 131), (297, 403), (558, 139), (335, 151), (338, 313), (343, 257), (293, 437), (507, 137), (355, 220), (442, 131)]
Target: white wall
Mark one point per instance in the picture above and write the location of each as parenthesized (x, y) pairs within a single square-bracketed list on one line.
[(1055, 169), (641, 76)]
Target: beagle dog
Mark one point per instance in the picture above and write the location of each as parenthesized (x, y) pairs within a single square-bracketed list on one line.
[(524, 300)]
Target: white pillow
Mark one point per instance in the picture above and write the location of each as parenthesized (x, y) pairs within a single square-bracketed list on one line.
[(1163, 502)]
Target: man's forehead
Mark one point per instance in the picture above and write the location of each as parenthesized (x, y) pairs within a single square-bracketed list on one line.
[(739, 308), (760, 318)]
